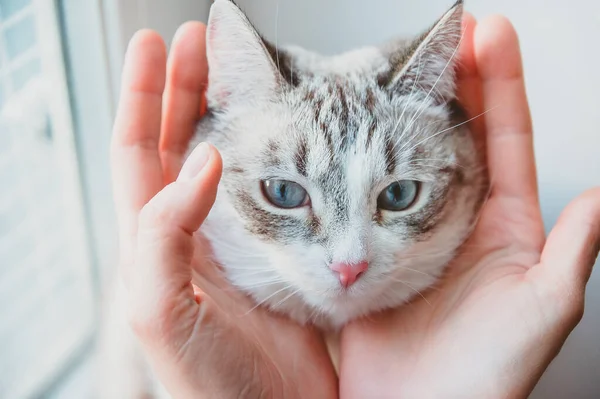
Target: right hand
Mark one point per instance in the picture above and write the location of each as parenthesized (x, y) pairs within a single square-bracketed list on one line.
[(511, 298), (207, 340)]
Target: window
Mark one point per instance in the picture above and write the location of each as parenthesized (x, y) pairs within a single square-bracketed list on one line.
[(46, 297)]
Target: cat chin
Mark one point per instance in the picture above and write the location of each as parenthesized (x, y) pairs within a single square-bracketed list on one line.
[(251, 273), (335, 319), (333, 313)]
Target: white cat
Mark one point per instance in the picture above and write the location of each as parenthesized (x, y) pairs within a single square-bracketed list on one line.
[(349, 181)]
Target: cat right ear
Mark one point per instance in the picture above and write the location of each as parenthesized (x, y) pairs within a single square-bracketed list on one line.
[(427, 65), (240, 67)]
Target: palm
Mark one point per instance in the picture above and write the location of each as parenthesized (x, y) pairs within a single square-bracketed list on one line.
[(496, 259), (493, 275), (258, 340), (495, 283)]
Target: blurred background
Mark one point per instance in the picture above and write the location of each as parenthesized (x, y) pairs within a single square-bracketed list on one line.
[(60, 63)]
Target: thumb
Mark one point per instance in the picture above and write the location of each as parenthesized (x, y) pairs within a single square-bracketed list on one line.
[(161, 280), (573, 244)]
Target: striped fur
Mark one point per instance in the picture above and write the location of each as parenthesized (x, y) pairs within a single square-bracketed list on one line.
[(344, 128)]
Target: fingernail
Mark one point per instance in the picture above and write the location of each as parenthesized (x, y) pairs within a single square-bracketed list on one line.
[(195, 162)]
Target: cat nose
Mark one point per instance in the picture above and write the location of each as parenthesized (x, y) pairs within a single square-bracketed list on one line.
[(349, 272)]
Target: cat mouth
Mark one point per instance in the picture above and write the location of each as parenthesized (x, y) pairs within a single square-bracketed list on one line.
[(343, 294)]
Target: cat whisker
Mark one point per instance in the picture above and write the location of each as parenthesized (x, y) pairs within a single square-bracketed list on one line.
[(209, 257), (436, 159), (415, 271), (262, 284), (251, 270), (236, 251), (477, 218), (453, 253), (245, 254), (441, 161), (421, 255), (402, 149), (412, 91), (253, 273), (277, 34), (369, 317), (267, 298), (289, 296), (435, 167), (412, 288), (292, 70), (312, 315), (233, 249), (422, 108)]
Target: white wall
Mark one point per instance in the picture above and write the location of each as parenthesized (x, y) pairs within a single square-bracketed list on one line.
[(562, 63), (560, 46), (122, 18)]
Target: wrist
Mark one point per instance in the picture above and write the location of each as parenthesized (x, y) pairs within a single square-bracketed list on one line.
[(484, 367)]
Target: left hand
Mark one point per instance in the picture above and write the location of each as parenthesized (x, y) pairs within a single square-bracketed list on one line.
[(207, 340)]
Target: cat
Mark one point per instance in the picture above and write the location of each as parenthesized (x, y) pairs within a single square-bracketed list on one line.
[(349, 181)]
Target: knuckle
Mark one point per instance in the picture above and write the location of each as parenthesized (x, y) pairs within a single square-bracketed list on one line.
[(144, 326), (138, 326), (563, 301), (152, 213), (143, 323), (573, 307), (141, 326), (570, 303), (160, 210), (156, 321)]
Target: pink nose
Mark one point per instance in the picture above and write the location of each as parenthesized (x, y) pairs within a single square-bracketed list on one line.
[(349, 272)]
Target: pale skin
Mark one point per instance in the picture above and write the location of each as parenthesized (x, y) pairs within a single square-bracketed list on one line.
[(489, 329)]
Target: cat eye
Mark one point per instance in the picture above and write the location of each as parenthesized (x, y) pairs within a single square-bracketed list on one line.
[(284, 194), (398, 196)]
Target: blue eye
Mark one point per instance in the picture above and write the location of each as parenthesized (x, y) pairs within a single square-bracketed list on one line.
[(398, 196), (285, 194)]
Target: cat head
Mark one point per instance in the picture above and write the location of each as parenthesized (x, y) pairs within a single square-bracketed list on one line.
[(350, 181)]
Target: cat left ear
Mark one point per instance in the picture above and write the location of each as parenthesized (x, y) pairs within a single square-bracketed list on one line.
[(241, 69), (428, 65)]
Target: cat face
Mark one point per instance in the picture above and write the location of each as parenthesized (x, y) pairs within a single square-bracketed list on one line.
[(349, 181)]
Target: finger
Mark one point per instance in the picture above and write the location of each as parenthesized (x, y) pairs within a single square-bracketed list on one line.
[(136, 167), (467, 65), (469, 82), (508, 122), (573, 244), (166, 228), (186, 82)]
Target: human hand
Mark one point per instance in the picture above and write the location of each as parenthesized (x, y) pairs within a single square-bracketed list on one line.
[(205, 340), (511, 298)]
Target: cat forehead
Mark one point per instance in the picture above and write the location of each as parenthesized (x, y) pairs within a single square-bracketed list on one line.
[(341, 98), (351, 114), (334, 117), (330, 120), (324, 145)]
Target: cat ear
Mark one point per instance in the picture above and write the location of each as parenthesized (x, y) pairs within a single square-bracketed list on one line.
[(241, 68), (427, 65)]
